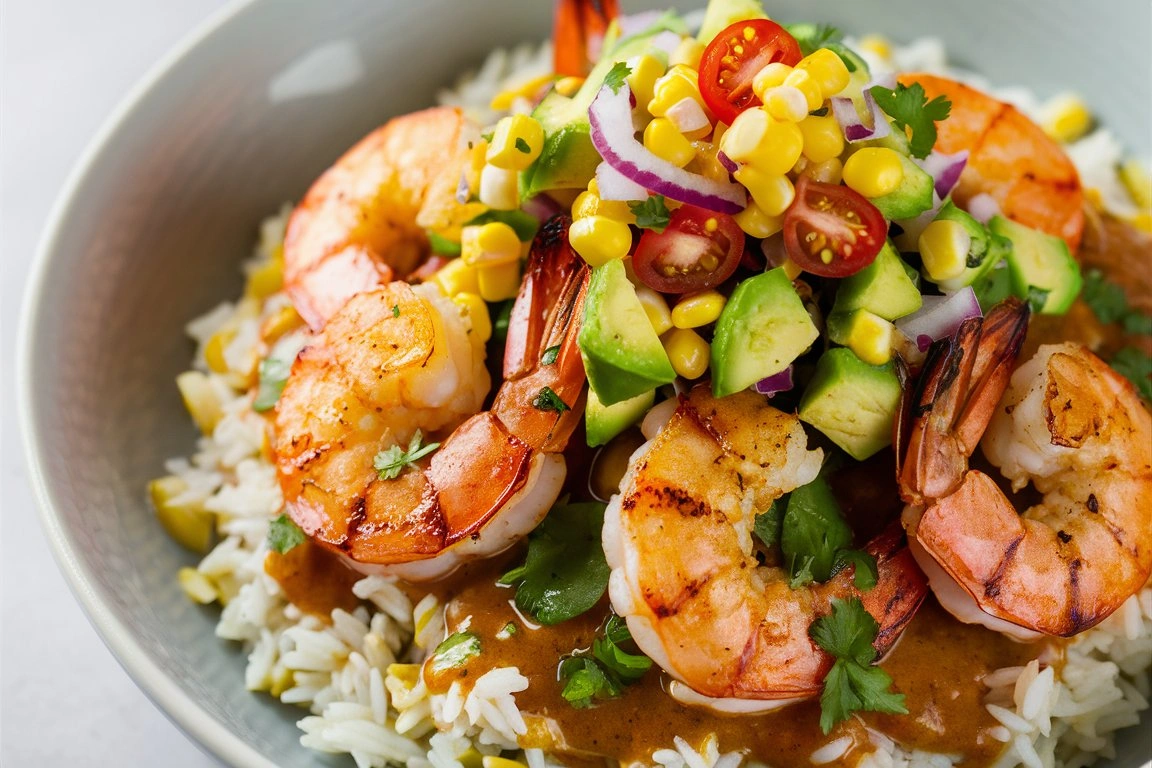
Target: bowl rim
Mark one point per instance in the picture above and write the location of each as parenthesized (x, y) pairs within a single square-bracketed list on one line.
[(165, 692)]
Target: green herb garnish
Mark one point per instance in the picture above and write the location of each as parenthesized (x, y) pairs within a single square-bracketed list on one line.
[(1134, 365), (442, 245), (605, 674), (813, 531), (550, 355), (616, 76), (455, 651), (391, 462), (284, 535), (523, 224), (767, 525), (1108, 302), (522, 146), (395, 310), (1037, 298), (585, 682), (651, 213), (273, 376), (547, 400), (909, 108), (813, 37)]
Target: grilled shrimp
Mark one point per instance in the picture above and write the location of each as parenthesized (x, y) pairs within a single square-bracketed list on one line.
[(1010, 158), (1068, 424), (400, 359), (356, 228), (678, 538)]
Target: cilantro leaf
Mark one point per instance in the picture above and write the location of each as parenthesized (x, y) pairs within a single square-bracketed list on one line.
[(1108, 302), (523, 224), (564, 573), (652, 213), (909, 108), (629, 667), (395, 310), (1136, 366), (391, 462), (813, 531), (455, 651), (813, 37), (273, 376), (442, 245), (1037, 298), (547, 400), (767, 524), (616, 76), (284, 535), (522, 146), (550, 355), (586, 681), (865, 573), (605, 673)]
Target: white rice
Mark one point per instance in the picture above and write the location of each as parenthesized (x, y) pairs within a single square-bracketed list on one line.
[(358, 675)]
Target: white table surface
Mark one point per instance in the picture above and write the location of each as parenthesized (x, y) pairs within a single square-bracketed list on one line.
[(64, 700)]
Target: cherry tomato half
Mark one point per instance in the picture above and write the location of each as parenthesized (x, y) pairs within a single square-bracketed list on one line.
[(698, 250), (831, 230), (733, 58)]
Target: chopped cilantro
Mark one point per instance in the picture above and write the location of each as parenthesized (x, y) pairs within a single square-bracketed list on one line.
[(822, 112), (909, 108), (1037, 298), (813, 37), (391, 462), (1136, 366), (550, 355), (651, 213), (442, 245), (523, 224), (455, 651), (273, 377), (395, 310), (487, 136), (547, 400), (585, 682), (284, 535), (865, 574), (766, 526), (564, 573), (813, 531), (616, 76), (853, 684), (607, 649), (507, 631), (522, 146), (605, 674), (1108, 302)]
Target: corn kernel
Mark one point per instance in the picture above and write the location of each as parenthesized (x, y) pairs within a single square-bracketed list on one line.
[(201, 399), (687, 352), (529, 90), (656, 308), (471, 758), (784, 102), (188, 523), (877, 46), (756, 223), (791, 269), (755, 138), (214, 349), (1143, 221), (265, 280), (409, 674), (1066, 118), (646, 70), (284, 679), (773, 192), (679, 82), (1135, 178), (870, 337), (874, 171), (567, 86), (944, 248), (498, 282), (688, 53), (663, 140), (516, 142), (823, 139), (499, 188), (808, 85), (698, 309), (771, 76), (830, 171), (492, 761), (599, 239), (279, 323), (196, 586), (456, 277), (489, 244), (589, 203), (828, 70), (477, 313), (706, 163)]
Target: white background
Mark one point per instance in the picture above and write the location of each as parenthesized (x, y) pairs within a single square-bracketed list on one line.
[(64, 701)]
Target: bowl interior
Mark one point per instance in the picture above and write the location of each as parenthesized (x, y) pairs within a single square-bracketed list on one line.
[(152, 231)]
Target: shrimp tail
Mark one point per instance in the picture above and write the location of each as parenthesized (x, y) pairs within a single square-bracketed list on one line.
[(900, 587)]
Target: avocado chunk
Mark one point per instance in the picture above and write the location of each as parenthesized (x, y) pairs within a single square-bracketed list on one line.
[(884, 288), (763, 328), (851, 402), (604, 422), (911, 198), (622, 354), (1040, 267), (722, 13), (984, 251)]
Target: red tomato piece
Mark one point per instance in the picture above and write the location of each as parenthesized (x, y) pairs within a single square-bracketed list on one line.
[(698, 250), (831, 230), (733, 58)]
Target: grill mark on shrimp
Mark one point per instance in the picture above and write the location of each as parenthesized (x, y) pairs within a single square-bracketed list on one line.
[(992, 585)]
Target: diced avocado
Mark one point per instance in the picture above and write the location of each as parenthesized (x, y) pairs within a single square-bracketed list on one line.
[(884, 287), (994, 287), (622, 354), (984, 252), (604, 422), (896, 139), (851, 402), (865, 333), (1040, 267), (722, 13), (911, 198), (763, 328)]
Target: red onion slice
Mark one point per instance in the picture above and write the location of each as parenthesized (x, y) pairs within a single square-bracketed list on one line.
[(614, 185), (542, 207), (729, 164), (939, 317), (851, 123), (612, 134), (944, 169), (776, 383)]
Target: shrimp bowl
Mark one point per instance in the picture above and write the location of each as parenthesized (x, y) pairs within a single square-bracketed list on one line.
[(518, 385)]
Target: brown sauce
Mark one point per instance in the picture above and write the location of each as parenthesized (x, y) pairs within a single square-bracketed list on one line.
[(314, 579)]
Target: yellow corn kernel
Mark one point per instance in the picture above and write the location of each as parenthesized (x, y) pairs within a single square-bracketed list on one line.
[(201, 400), (830, 171), (471, 758), (505, 99), (874, 171), (791, 269), (688, 53), (188, 523), (871, 338), (687, 352), (1143, 221), (265, 280), (786, 103), (567, 86), (493, 761), (803, 80), (409, 674), (599, 239), (679, 82), (196, 586), (755, 138), (284, 679), (773, 192), (498, 282), (646, 70), (489, 244), (279, 323), (944, 248), (477, 311), (656, 308), (756, 223), (698, 309), (1066, 118), (456, 277), (823, 139), (828, 70), (706, 163), (499, 188), (771, 76), (516, 142), (1135, 178), (663, 140), (877, 46), (589, 203), (214, 349)]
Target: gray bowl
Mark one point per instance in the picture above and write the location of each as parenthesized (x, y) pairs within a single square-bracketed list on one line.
[(152, 225)]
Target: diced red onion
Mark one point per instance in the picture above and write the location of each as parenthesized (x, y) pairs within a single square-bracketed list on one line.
[(612, 134), (944, 169), (853, 125), (542, 207), (614, 185), (729, 164), (774, 251), (777, 382), (983, 207), (687, 115), (463, 191), (939, 317)]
